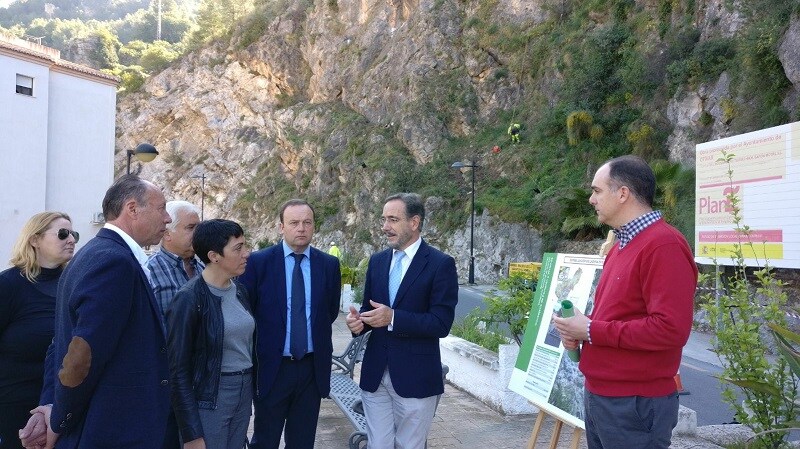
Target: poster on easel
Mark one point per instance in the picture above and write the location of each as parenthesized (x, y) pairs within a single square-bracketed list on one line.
[(544, 374)]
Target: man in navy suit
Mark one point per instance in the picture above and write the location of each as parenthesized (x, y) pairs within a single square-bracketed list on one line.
[(294, 289), (410, 295), (108, 375)]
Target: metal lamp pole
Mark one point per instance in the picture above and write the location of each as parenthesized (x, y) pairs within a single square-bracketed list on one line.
[(471, 279), (473, 166), (144, 152), (202, 192)]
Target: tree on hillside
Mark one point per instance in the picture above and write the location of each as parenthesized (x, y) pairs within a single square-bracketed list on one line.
[(58, 33), (215, 18), (157, 56), (142, 24), (107, 47), (23, 12)]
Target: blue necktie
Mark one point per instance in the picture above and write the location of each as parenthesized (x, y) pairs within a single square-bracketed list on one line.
[(298, 340), (395, 276)]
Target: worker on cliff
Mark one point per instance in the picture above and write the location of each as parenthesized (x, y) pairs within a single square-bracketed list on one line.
[(335, 251), (513, 131)]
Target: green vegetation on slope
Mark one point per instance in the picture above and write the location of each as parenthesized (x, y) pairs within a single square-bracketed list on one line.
[(593, 82)]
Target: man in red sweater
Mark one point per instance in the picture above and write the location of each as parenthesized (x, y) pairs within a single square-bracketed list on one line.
[(641, 319)]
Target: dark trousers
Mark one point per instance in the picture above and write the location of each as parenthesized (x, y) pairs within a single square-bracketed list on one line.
[(12, 418), (630, 422), (290, 407)]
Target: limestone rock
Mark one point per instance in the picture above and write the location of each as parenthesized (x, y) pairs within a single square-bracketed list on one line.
[(311, 108), (789, 51), (496, 244)]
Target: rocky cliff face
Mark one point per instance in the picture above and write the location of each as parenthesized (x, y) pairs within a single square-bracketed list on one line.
[(292, 114), (312, 107)]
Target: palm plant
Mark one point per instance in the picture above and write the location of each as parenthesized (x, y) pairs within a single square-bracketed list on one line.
[(580, 222)]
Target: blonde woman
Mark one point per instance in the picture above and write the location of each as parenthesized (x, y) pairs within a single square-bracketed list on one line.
[(27, 315)]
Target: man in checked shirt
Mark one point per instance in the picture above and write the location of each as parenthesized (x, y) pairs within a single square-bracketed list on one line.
[(174, 264), (641, 319), (171, 267)]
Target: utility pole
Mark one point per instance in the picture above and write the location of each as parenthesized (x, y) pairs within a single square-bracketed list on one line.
[(158, 29)]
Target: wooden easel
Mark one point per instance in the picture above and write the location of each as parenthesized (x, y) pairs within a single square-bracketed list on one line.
[(537, 427), (577, 431)]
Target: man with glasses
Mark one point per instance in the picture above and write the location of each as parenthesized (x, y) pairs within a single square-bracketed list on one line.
[(294, 289), (410, 296)]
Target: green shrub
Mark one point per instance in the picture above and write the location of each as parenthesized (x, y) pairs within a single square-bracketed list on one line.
[(130, 53), (512, 306), (470, 329), (748, 300), (157, 56), (351, 274), (644, 142), (706, 119), (763, 80), (580, 219), (713, 57), (105, 52), (132, 78), (579, 127), (253, 29), (675, 195)]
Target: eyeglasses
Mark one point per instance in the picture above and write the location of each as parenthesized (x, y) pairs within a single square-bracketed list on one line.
[(63, 233), (392, 220)]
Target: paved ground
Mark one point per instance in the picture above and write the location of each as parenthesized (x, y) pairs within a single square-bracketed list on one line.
[(461, 422)]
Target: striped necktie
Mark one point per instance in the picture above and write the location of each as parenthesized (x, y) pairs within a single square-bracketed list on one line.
[(395, 276)]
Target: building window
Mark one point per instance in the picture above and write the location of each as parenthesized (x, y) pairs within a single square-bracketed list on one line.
[(24, 85)]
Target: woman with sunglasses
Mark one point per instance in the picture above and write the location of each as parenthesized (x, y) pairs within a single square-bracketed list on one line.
[(27, 316)]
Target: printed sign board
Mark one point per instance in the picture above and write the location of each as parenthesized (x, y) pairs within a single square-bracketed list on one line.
[(764, 175), (543, 373)]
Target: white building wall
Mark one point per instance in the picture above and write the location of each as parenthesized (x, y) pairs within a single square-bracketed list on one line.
[(23, 148), (80, 151), (57, 146)]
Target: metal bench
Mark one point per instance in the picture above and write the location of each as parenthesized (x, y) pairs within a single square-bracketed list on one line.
[(346, 393), (345, 362)]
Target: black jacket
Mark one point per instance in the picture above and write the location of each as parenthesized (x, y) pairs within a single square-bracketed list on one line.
[(194, 341)]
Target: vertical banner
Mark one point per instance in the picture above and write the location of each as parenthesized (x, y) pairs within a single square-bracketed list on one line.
[(543, 373)]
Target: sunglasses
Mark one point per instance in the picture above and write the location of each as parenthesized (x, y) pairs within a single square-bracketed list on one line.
[(64, 233)]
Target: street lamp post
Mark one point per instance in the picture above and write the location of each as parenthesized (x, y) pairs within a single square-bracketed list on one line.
[(473, 166), (202, 192), (144, 152)]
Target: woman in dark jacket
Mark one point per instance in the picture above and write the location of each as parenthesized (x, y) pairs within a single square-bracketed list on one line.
[(27, 316), (210, 338)]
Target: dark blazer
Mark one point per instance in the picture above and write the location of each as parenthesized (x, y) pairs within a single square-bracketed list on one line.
[(264, 279), (121, 399), (424, 309)]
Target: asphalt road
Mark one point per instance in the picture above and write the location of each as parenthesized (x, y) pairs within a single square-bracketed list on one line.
[(698, 366)]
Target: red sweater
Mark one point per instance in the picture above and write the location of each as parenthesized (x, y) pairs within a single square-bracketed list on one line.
[(642, 315)]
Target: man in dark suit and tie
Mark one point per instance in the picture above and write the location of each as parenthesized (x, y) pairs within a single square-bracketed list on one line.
[(294, 289), (107, 378), (410, 295)]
